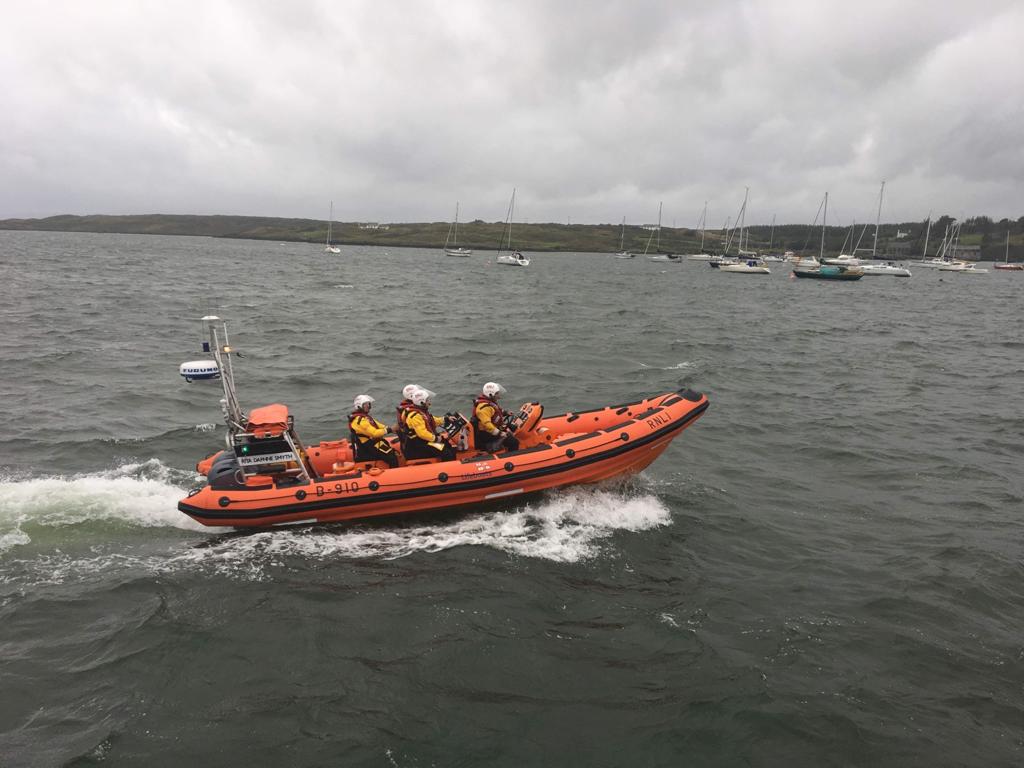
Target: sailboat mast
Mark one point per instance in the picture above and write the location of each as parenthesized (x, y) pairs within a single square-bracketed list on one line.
[(703, 225), (771, 233), (824, 217), (658, 246), (1006, 257), (927, 232), (511, 213), (330, 221), (743, 221), (456, 223), (878, 218)]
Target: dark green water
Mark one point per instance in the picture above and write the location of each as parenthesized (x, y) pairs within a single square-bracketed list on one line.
[(824, 570)]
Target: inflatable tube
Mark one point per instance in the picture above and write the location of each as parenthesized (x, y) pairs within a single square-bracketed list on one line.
[(572, 448)]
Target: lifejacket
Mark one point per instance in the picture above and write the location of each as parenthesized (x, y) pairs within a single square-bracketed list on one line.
[(498, 419), (400, 410), (428, 419), (355, 436)]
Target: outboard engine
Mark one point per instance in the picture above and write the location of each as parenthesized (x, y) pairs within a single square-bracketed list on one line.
[(225, 474)]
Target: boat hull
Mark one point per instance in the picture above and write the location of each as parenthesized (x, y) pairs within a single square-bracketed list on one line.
[(744, 269), (837, 275), (512, 261), (885, 271), (621, 440)]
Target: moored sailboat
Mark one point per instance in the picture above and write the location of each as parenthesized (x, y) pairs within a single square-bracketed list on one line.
[(1006, 265), (747, 262), (453, 238), (329, 247), (817, 269), (514, 258), (667, 257), (703, 223), (623, 253)]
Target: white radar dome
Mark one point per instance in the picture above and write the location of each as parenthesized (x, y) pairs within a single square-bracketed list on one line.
[(197, 370)]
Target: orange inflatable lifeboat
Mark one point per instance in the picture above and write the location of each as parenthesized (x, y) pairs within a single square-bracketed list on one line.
[(268, 477)]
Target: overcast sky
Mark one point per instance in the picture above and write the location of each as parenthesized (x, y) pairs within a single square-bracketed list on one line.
[(594, 111)]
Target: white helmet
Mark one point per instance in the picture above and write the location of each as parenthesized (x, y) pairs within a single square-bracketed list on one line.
[(421, 396), (408, 390), (363, 402), (493, 389)]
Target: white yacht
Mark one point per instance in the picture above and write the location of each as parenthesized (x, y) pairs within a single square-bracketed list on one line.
[(890, 269), (962, 267), (514, 259), (748, 267)]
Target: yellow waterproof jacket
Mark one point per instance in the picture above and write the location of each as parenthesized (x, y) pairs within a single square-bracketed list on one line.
[(366, 427), (418, 425), (485, 413)]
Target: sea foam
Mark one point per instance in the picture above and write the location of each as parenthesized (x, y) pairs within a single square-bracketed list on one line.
[(562, 526), (139, 494)]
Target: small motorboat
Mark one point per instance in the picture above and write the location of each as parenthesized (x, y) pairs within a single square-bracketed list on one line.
[(266, 476), (625, 255), (458, 252), (675, 258), (1009, 267)]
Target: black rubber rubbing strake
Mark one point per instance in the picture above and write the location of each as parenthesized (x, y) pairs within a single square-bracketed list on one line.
[(571, 440)]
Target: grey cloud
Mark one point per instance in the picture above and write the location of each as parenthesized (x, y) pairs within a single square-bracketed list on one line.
[(593, 110)]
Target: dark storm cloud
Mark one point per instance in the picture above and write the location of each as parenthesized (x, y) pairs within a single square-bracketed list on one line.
[(593, 111)]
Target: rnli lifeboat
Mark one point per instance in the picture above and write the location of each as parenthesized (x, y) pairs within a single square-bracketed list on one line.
[(267, 477)]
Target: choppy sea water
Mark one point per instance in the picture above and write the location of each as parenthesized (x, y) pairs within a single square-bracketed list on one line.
[(826, 569)]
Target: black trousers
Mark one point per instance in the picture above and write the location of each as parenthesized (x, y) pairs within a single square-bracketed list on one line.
[(376, 450), (417, 448), (491, 444)]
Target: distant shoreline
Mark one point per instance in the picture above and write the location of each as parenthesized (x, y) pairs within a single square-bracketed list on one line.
[(903, 240)]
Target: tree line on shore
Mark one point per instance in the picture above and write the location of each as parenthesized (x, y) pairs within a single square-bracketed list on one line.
[(901, 240)]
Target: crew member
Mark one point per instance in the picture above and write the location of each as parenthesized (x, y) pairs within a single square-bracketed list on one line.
[(368, 434), (423, 438), (400, 429), (490, 432)]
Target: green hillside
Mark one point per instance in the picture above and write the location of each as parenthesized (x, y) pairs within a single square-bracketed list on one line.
[(904, 240)]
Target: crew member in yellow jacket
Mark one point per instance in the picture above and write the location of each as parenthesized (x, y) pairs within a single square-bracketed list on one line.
[(490, 421), (368, 434), (423, 437)]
